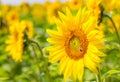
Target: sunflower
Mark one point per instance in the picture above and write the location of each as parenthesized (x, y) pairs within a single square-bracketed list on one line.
[(76, 43), (94, 6), (28, 26), (38, 12), (3, 24), (12, 17), (16, 39), (110, 5), (5, 9), (52, 10), (15, 42), (75, 4), (116, 19), (24, 7)]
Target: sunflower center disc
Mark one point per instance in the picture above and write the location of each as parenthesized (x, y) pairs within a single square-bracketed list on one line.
[(75, 44)]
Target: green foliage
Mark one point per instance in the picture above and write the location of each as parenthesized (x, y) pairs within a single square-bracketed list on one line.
[(34, 70)]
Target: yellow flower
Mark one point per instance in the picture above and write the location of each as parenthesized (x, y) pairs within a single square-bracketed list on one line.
[(111, 5), (94, 6), (25, 7), (15, 42), (75, 4), (52, 9), (38, 12), (16, 39), (5, 8), (116, 19), (12, 17), (3, 24), (76, 43), (28, 26)]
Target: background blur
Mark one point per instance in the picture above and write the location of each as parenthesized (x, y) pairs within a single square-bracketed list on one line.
[(40, 13), (16, 2)]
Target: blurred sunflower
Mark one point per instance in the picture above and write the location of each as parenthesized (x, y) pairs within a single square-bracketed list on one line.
[(75, 4), (28, 26), (16, 39), (12, 17), (110, 5), (15, 42), (116, 19), (38, 12), (52, 10), (3, 24), (76, 44), (94, 6), (5, 8), (25, 7)]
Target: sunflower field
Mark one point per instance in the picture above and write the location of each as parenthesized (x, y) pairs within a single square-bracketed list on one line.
[(60, 41)]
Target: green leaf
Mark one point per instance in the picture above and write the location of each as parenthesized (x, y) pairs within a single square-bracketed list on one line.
[(110, 73), (4, 78)]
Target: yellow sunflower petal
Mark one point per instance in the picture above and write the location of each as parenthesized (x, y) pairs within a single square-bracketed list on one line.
[(63, 63), (54, 34), (80, 69), (56, 55), (62, 16), (68, 13), (54, 48), (92, 34), (90, 64), (68, 71)]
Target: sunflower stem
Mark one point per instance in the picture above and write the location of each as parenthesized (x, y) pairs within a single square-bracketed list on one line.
[(42, 55), (116, 31), (37, 62), (98, 77)]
